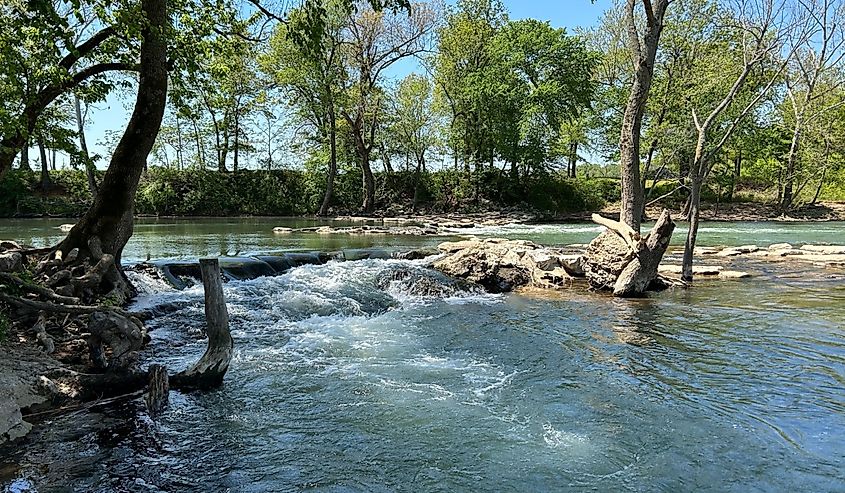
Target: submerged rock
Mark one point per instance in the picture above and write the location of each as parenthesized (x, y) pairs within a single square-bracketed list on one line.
[(500, 265)]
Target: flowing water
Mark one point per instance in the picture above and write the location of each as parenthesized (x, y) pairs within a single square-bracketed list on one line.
[(346, 379)]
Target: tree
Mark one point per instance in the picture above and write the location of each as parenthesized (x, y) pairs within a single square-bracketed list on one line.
[(313, 77), (749, 38), (813, 82), (107, 225), (414, 126), (643, 49), (375, 41), (36, 72)]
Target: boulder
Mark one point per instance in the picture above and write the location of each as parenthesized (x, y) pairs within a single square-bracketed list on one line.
[(500, 265), (740, 250), (698, 270), (780, 246), (64, 228), (733, 274), (283, 231), (622, 261)]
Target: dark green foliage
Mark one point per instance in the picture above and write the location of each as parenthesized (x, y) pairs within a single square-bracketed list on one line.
[(198, 192)]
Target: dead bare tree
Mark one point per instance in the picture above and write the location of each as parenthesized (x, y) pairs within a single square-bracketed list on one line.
[(813, 75), (762, 28)]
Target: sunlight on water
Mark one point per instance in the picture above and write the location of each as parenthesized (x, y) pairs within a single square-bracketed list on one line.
[(349, 377)]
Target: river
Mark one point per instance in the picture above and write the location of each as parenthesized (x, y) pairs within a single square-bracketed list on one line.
[(344, 382)]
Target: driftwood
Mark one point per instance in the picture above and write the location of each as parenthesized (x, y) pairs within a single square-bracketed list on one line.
[(623, 262), (208, 372)]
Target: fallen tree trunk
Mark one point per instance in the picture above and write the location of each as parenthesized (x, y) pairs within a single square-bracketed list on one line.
[(621, 261)]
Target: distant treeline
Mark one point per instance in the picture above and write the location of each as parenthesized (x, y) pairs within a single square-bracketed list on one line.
[(199, 192)]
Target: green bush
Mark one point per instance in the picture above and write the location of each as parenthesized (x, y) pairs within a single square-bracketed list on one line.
[(201, 192)]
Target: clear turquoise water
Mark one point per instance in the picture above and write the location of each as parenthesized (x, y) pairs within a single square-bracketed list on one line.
[(343, 383)]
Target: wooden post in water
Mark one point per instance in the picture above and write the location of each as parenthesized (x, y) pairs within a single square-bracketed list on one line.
[(208, 372)]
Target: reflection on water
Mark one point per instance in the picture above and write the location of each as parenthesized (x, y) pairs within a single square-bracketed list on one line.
[(339, 385)]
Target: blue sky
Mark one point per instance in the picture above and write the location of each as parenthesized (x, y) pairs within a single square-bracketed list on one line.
[(113, 114)]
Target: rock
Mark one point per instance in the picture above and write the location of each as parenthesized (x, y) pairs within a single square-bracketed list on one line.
[(825, 249), (11, 262), (282, 231), (706, 250), (23, 386), (740, 250), (64, 228), (500, 265), (415, 254), (780, 246), (455, 246), (733, 274), (697, 270), (6, 245)]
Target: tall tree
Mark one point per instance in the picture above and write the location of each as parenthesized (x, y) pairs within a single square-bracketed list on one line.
[(107, 225), (313, 76), (376, 41), (643, 49), (43, 60), (745, 45), (813, 80)]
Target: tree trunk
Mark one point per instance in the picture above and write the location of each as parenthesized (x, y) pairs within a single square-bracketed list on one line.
[(208, 372), (789, 179), (622, 261), (692, 234), (237, 154), (736, 174), (110, 217), (83, 148), (629, 141), (45, 167), (332, 171), (369, 183), (24, 165), (573, 159)]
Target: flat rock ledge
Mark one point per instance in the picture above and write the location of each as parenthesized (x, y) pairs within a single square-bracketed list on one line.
[(831, 256), (500, 265)]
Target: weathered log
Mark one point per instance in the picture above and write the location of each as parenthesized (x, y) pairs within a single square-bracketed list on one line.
[(208, 372), (620, 261)]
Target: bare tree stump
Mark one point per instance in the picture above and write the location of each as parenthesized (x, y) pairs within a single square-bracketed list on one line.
[(621, 261), (157, 396), (208, 372)]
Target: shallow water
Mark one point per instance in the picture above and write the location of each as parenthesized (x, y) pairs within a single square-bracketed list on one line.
[(343, 382), (196, 237)]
